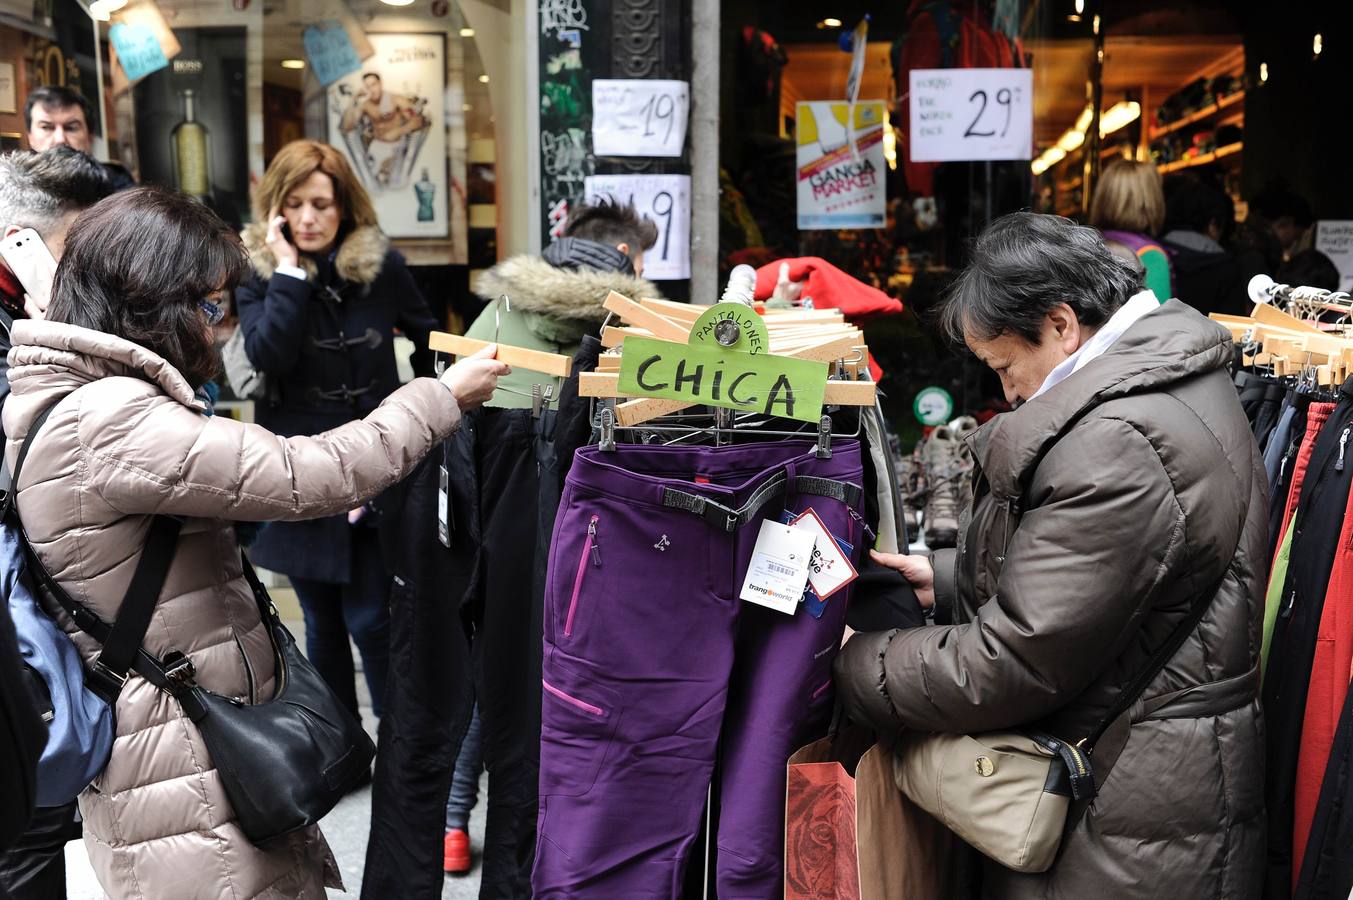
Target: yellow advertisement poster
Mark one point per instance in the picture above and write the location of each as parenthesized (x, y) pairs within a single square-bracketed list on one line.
[(841, 169)]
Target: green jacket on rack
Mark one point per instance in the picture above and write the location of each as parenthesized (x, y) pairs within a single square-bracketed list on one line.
[(552, 302)]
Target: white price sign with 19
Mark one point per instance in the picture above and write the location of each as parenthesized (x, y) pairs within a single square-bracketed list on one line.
[(639, 117), (664, 199), (971, 114)]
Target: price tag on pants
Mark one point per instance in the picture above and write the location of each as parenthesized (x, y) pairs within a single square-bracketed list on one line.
[(779, 567)]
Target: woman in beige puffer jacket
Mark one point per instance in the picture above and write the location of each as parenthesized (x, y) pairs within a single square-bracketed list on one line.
[(129, 439)]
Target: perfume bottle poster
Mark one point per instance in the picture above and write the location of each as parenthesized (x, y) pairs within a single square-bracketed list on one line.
[(209, 71), (390, 119)]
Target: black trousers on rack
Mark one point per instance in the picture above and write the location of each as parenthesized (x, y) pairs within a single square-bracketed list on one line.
[(505, 610), (1319, 517), (431, 694), (464, 615)]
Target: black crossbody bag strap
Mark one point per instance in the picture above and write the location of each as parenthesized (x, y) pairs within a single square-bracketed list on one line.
[(122, 640)]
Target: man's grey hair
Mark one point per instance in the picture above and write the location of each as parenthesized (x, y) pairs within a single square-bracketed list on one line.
[(1026, 263), (38, 190)]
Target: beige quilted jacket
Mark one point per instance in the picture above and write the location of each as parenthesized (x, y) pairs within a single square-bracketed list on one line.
[(132, 441)]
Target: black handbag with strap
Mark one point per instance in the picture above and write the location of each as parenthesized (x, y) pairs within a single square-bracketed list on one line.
[(283, 763)]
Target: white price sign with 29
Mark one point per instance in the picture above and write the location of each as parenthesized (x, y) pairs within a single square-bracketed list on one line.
[(971, 114), (664, 199)]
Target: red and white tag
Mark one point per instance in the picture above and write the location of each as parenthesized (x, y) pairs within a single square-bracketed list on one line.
[(830, 569)]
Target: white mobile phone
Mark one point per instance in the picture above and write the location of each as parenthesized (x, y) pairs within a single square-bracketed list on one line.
[(31, 262)]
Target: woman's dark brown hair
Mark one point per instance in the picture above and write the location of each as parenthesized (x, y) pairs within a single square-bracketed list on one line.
[(137, 265)]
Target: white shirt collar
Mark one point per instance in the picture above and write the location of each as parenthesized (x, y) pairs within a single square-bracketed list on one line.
[(1139, 305)]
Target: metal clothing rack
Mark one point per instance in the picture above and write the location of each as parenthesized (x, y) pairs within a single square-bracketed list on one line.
[(719, 426)]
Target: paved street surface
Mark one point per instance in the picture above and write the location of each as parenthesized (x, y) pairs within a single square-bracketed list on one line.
[(346, 827)]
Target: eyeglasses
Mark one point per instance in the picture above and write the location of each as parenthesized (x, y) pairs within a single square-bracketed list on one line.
[(214, 313)]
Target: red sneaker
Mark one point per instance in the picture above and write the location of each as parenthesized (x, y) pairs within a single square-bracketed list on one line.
[(456, 852)]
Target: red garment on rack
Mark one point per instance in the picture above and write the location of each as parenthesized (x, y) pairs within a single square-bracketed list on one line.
[(1316, 416), (830, 288), (1330, 671)]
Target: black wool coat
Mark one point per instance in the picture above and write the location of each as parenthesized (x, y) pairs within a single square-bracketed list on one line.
[(326, 345)]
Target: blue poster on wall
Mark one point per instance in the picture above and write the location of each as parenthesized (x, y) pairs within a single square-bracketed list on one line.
[(138, 49), (330, 51)]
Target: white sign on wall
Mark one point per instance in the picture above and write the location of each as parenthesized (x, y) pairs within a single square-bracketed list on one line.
[(971, 114), (841, 169), (639, 117), (1334, 238), (666, 200)]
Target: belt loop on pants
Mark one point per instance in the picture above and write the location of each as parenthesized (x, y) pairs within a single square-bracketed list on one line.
[(729, 520)]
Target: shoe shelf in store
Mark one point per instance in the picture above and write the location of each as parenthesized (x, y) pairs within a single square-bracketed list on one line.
[(1201, 159), (1194, 118)]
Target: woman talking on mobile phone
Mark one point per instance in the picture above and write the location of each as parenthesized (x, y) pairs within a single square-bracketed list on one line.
[(318, 314)]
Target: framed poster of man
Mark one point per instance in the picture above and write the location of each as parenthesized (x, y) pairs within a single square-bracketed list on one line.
[(390, 120)]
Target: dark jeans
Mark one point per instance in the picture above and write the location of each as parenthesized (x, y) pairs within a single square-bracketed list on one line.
[(35, 867), (465, 781), (360, 608)]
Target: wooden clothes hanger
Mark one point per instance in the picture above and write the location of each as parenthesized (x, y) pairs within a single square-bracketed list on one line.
[(809, 335), (553, 364), (1292, 346)]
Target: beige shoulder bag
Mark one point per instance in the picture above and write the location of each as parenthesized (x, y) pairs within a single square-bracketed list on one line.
[(1009, 793)]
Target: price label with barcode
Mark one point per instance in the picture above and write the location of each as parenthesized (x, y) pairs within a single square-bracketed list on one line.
[(633, 117), (778, 571), (971, 114)]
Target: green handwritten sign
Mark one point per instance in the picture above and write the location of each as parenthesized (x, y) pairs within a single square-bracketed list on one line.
[(727, 367)]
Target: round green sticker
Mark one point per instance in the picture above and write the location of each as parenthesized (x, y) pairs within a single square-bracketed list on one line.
[(933, 406)]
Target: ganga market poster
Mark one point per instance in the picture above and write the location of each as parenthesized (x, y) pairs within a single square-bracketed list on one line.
[(841, 169)]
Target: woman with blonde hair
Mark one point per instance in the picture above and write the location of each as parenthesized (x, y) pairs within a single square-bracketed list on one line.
[(319, 314), (1128, 208)]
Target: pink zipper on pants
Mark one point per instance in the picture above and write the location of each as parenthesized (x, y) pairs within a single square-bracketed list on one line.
[(572, 701), (589, 549)]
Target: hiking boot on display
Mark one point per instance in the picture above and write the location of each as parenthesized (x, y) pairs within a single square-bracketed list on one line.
[(946, 463)]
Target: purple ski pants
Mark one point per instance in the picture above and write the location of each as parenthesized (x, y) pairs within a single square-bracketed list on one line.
[(653, 666)]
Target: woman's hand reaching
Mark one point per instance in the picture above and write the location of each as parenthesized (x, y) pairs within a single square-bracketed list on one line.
[(474, 379), (916, 569)]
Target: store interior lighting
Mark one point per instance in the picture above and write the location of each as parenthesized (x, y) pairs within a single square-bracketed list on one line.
[(829, 23), (293, 64), (483, 79), (397, 2), (1047, 159), (467, 32), (1118, 116)]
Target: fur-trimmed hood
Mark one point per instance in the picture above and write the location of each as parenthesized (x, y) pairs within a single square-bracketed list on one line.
[(533, 285), (360, 258)]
